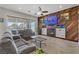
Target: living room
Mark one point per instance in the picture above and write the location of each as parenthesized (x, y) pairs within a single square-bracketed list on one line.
[(39, 28)]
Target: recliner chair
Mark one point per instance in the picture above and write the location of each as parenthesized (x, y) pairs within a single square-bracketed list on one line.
[(16, 46), (26, 34), (8, 46)]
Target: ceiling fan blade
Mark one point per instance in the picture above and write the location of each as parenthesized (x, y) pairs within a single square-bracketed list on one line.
[(40, 9), (41, 13), (44, 11)]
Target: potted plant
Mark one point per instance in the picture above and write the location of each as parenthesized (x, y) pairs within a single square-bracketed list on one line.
[(39, 51)]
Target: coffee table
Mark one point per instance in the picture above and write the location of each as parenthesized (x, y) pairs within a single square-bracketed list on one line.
[(40, 40)]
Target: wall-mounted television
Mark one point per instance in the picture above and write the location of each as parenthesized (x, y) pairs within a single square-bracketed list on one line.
[(50, 20)]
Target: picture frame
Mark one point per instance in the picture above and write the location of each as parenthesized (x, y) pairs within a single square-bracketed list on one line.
[(65, 16)]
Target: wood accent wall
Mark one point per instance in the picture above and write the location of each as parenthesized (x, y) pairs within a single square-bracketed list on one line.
[(71, 25), (72, 28), (78, 23)]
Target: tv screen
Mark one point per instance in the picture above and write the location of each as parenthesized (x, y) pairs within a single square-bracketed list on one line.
[(50, 20)]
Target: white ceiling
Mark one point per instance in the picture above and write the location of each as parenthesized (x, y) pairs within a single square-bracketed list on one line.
[(24, 8)]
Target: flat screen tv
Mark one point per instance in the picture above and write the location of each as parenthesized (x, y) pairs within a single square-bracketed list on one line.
[(50, 20)]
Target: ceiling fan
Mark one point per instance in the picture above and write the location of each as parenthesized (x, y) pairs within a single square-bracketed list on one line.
[(40, 11)]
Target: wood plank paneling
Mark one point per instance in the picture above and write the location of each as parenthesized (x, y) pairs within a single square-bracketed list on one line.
[(71, 25)]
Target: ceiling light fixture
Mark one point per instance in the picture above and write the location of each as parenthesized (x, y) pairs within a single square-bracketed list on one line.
[(20, 8), (60, 6), (39, 13)]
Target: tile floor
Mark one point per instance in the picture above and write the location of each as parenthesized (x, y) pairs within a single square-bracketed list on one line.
[(60, 46)]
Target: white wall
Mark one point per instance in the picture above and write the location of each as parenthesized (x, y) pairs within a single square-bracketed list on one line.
[(3, 14)]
